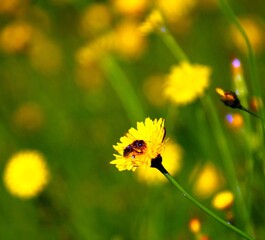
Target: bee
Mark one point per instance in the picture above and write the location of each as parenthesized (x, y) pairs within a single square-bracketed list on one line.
[(135, 148)]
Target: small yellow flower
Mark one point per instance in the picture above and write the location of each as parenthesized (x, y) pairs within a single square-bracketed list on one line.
[(139, 146), (152, 88), (130, 42), (28, 117), (223, 200), (186, 82), (195, 225), (130, 7), (26, 174), (208, 181), (45, 54), (153, 22), (95, 19), (95, 50), (16, 37), (174, 10), (254, 29), (172, 156)]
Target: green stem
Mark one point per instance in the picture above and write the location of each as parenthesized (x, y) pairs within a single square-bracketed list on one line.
[(171, 44), (205, 209), (251, 57), (124, 89), (227, 159), (157, 163), (219, 136)]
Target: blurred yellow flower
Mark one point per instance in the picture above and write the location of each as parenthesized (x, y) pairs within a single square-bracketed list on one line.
[(139, 146), (95, 19), (26, 174), (152, 88), (195, 225), (255, 32), (173, 10), (186, 82), (234, 120), (95, 50), (208, 181), (153, 22), (223, 200), (130, 7), (12, 6), (172, 158), (130, 42), (45, 55), (89, 77), (16, 37), (28, 117)]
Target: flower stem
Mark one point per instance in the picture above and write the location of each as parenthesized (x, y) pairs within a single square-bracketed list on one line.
[(157, 163), (203, 208), (124, 89), (227, 159), (171, 44), (219, 136), (251, 56)]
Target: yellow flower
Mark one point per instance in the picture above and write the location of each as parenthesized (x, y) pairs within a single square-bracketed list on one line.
[(95, 19), (130, 7), (174, 10), (16, 37), (254, 29), (208, 181), (172, 156), (45, 54), (139, 146), (26, 174), (28, 117), (130, 42), (195, 225), (186, 82), (95, 50), (153, 22), (223, 200), (152, 88)]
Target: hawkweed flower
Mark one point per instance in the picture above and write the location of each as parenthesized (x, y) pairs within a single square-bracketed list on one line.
[(93, 51), (152, 88), (153, 22), (223, 200), (230, 99), (28, 117), (16, 37), (208, 180), (141, 145), (95, 19), (45, 54), (26, 174), (175, 10), (130, 42), (186, 82), (130, 7), (195, 225), (254, 29)]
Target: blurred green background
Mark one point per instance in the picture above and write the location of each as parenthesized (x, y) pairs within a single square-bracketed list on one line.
[(72, 114)]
